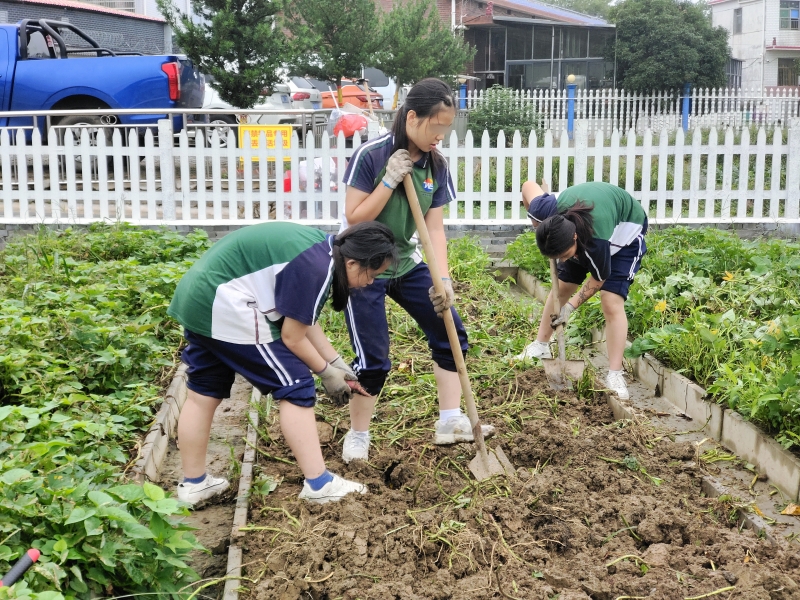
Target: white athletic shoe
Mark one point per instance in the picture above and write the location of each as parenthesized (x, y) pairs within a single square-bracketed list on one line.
[(355, 447), (333, 491), (457, 429), (196, 493), (535, 350), (615, 381)]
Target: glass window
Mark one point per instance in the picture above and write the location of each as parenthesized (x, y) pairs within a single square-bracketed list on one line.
[(598, 40), (377, 78), (600, 75), (38, 45), (574, 43), (520, 43), (530, 76), (787, 71), (543, 42), (790, 14), (733, 70), (481, 49), (302, 83), (574, 68), (737, 20), (497, 54)]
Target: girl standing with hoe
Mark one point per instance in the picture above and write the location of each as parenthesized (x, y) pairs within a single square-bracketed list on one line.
[(374, 191), (250, 305)]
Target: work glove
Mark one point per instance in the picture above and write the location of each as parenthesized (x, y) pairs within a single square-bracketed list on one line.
[(399, 165), (563, 316), (442, 302), (335, 383), (339, 363)]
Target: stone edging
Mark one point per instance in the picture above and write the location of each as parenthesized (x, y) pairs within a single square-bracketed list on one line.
[(154, 447), (234, 569), (724, 425)]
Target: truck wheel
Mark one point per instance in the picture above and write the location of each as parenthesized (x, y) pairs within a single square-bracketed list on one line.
[(95, 127), (222, 125)]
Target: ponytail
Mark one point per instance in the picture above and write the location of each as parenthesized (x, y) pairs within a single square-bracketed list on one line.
[(370, 244), (556, 234)]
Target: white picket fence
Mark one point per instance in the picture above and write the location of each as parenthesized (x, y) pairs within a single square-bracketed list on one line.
[(610, 109), (754, 179)]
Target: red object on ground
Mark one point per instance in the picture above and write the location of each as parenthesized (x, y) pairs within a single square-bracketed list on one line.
[(349, 124)]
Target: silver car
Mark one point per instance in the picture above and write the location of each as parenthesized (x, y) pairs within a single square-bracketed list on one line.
[(304, 94), (273, 102)]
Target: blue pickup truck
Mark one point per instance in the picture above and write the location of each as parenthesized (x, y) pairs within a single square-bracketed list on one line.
[(53, 65)]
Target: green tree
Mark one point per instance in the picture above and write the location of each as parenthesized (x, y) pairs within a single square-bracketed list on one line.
[(331, 39), (596, 8), (417, 45), (234, 41), (661, 44)]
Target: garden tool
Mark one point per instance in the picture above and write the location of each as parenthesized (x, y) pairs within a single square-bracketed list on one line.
[(560, 372), (485, 464)]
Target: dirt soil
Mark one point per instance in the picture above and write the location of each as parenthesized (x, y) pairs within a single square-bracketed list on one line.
[(574, 524)]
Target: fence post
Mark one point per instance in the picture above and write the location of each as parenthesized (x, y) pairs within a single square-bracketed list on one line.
[(581, 151), (166, 163), (793, 174), (570, 104), (687, 89)]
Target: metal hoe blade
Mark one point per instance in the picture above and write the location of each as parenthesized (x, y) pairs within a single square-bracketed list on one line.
[(491, 463), (561, 373)]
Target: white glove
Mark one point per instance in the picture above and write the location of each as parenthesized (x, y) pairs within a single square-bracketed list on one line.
[(563, 316), (442, 302), (335, 382), (399, 165), (339, 363)]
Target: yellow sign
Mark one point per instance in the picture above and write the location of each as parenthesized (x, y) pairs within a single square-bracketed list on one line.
[(270, 134)]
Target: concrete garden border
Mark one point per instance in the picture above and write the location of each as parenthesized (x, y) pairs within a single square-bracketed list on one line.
[(726, 426), (234, 569), (156, 441)]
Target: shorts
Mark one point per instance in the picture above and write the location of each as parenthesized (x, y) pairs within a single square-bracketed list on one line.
[(271, 368), (624, 265), (365, 316)]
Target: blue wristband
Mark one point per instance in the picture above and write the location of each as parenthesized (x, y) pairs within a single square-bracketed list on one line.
[(446, 279), (383, 181)]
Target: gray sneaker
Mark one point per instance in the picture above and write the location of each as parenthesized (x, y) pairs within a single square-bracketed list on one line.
[(457, 429), (333, 491)]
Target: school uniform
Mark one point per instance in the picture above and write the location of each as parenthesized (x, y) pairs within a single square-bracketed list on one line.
[(615, 253), (408, 284), (232, 303)]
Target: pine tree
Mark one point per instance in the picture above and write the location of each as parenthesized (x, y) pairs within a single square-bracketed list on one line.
[(235, 41), (331, 39), (415, 45)]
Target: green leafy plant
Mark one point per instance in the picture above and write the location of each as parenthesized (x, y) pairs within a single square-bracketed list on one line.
[(86, 348), (500, 110)]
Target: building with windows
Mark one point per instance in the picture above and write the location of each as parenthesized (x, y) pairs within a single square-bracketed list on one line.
[(530, 45), (112, 28), (764, 40)]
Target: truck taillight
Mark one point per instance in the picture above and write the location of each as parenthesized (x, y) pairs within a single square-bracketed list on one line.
[(172, 69), (298, 96), (361, 98)]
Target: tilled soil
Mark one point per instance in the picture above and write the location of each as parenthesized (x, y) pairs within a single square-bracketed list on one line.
[(574, 524)]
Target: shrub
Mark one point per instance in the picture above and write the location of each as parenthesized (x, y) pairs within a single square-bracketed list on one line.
[(500, 110)]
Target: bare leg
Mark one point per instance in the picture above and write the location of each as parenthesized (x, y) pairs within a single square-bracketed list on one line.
[(194, 429), (565, 292), (616, 327), (448, 386), (361, 410), (299, 428)]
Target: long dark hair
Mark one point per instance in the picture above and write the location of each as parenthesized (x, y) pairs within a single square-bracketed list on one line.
[(556, 234), (370, 244), (427, 98)]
